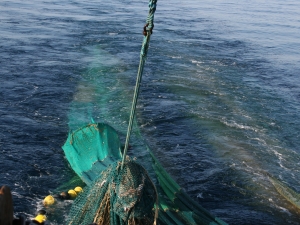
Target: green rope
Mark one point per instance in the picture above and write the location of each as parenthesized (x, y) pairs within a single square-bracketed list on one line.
[(147, 33)]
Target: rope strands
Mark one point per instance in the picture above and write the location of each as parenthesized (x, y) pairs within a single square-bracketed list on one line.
[(144, 50)]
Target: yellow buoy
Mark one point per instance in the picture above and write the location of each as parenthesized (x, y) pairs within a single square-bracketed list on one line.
[(72, 194), (78, 190), (49, 200), (40, 218)]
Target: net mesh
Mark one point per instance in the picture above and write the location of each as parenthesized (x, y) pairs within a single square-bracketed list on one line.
[(91, 149), (117, 196), (75, 181)]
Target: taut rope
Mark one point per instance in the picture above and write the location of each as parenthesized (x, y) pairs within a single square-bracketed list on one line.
[(147, 33)]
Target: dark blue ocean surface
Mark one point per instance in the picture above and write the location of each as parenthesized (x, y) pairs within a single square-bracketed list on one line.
[(219, 102)]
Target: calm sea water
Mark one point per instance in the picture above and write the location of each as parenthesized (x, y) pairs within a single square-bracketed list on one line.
[(219, 102)]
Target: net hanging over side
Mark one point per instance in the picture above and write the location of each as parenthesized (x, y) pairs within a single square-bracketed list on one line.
[(118, 196), (119, 191), (131, 185), (91, 149)]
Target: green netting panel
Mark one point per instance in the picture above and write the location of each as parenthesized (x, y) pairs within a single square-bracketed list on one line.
[(91, 149), (117, 197), (75, 181), (114, 196), (179, 207)]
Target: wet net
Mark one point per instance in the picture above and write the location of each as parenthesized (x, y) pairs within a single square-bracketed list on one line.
[(175, 206), (91, 149), (119, 190), (117, 196)]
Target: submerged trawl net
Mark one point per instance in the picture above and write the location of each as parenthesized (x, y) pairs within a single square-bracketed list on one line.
[(117, 197)]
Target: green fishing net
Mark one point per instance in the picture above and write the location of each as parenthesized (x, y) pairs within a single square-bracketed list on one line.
[(175, 206), (117, 196), (91, 149)]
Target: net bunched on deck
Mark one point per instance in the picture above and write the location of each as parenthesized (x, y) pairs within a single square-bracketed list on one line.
[(117, 196)]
